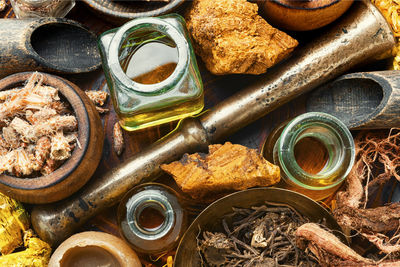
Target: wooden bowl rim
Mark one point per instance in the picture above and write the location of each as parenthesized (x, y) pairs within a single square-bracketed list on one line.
[(63, 171), (278, 2), (97, 6)]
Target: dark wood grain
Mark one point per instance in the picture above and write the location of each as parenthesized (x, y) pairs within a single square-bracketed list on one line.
[(217, 89)]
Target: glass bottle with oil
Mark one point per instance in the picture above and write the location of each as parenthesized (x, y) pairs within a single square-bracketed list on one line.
[(315, 152), (151, 71)]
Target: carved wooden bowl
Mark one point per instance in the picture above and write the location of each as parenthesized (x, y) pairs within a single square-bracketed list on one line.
[(76, 170), (304, 15), (210, 219)]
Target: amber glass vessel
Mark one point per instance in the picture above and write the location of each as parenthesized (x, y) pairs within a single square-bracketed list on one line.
[(151, 218)]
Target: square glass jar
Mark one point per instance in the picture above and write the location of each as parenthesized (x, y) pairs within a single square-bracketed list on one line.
[(140, 105)]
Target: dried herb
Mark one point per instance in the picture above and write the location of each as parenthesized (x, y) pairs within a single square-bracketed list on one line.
[(258, 236), (38, 131), (98, 98)]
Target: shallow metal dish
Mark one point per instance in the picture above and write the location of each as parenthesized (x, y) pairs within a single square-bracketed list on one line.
[(210, 218), (119, 12)]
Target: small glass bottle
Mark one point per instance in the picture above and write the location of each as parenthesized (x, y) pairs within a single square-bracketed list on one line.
[(41, 8), (151, 71), (315, 152), (151, 219)]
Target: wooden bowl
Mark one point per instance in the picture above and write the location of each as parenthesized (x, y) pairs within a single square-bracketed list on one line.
[(210, 219), (76, 170), (303, 15), (119, 12)]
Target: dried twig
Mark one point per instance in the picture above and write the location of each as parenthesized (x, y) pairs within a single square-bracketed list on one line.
[(259, 236), (118, 139)]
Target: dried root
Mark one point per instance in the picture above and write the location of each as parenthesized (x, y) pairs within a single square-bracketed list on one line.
[(98, 98), (377, 158), (322, 242), (38, 131), (260, 236), (60, 147), (118, 139)]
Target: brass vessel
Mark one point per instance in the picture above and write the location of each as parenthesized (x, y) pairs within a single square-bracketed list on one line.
[(211, 218)]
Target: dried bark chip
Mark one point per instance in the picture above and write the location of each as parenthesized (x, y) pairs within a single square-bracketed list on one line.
[(232, 38), (97, 97), (226, 168)]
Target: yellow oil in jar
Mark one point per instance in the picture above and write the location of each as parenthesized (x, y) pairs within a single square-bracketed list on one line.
[(149, 59)]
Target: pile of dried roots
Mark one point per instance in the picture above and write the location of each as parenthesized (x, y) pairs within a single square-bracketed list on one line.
[(358, 208), (259, 236)]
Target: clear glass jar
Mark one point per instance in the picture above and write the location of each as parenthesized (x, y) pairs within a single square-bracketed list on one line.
[(141, 104), (151, 218), (315, 152), (41, 8)]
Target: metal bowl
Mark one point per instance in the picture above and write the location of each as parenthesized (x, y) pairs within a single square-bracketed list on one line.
[(119, 12), (210, 219)]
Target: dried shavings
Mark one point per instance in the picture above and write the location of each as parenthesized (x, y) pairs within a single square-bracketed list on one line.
[(98, 98), (39, 130)]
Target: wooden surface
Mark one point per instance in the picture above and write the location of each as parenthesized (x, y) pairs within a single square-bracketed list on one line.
[(216, 90)]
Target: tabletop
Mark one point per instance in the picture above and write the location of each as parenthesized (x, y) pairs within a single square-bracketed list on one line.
[(217, 88)]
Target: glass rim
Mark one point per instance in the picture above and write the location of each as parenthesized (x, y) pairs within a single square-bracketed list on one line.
[(289, 138), (137, 202), (168, 29)]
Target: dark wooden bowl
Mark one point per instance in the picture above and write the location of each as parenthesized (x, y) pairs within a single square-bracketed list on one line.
[(305, 15), (76, 170), (210, 219), (119, 12)]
